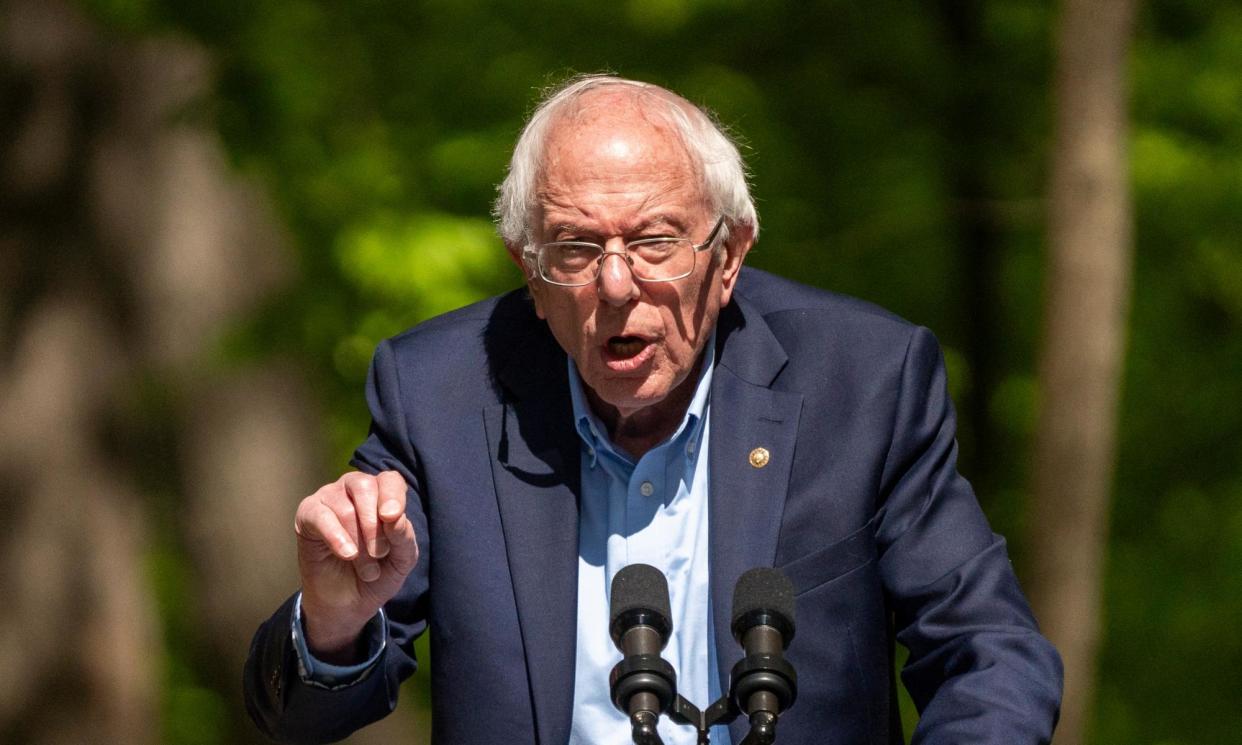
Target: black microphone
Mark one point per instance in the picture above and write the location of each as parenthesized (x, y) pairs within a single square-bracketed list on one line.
[(763, 683), (642, 684)]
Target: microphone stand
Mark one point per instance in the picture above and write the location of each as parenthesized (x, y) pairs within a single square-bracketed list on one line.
[(684, 712), (766, 682), (723, 711)]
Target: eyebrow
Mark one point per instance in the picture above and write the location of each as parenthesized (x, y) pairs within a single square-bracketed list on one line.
[(657, 220), (568, 228)]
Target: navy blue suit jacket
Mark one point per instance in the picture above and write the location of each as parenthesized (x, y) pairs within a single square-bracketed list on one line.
[(860, 505)]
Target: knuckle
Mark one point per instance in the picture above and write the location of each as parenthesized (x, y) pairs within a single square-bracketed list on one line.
[(322, 516), (328, 494), (393, 485), (365, 487), (356, 481)]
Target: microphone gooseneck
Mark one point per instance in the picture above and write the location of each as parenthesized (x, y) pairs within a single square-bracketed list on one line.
[(643, 684), (763, 683)]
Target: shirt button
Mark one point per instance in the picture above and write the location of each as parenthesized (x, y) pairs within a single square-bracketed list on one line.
[(646, 489)]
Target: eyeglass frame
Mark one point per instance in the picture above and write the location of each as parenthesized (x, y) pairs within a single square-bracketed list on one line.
[(624, 253)]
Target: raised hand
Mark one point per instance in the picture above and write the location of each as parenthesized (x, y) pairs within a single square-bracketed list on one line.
[(355, 548)]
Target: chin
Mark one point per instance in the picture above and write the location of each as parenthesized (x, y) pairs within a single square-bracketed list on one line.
[(629, 395)]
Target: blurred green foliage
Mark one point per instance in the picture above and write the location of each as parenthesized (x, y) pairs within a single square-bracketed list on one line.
[(899, 153)]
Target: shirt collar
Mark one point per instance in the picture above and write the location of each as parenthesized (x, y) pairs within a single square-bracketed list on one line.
[(595, 435)]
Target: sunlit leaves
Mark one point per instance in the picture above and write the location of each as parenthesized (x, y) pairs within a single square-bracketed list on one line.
[(410, 268)]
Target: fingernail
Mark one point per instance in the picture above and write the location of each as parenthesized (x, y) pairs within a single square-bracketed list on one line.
[(390, 509), (369, 572), (378, 547), (349, 548)]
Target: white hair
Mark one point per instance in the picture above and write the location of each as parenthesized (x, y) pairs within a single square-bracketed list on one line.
[(711, 151)]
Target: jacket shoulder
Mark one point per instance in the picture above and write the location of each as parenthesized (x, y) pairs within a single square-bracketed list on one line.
[(457, 354), (475, 353), (792, 308), (466, 331)]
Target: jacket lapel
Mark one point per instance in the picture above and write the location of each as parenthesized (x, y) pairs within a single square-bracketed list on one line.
[(753, 433), (534, 459)]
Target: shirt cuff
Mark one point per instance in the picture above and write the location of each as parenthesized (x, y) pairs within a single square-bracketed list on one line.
[(321, 674)]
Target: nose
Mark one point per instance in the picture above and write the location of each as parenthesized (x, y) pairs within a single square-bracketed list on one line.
[(616, 284)]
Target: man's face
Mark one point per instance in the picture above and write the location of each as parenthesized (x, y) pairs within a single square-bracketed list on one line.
[(612, 176)]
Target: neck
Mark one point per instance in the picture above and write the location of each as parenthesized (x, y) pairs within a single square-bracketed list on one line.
[(637, 431)]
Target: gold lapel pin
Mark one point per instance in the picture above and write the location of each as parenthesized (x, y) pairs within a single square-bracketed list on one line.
[(759, 457)]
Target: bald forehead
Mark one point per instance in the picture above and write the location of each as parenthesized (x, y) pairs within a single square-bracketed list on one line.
[(614, 117)]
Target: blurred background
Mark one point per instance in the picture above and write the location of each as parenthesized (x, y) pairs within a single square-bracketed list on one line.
[(211, 212)]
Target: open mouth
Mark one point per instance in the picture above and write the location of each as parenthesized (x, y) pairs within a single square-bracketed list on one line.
[(625, 347), (624, 354)]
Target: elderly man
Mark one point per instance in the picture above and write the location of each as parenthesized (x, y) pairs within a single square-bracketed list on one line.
[(645, 399)]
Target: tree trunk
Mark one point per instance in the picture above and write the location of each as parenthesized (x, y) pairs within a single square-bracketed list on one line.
[(1086, 307), (127, 247), (78, 621), (970, 125)]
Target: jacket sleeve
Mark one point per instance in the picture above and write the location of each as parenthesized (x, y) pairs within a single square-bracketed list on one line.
[(979, 671), (281, 702)]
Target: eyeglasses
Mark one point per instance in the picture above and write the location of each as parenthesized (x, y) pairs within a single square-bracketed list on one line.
[(578, 263)]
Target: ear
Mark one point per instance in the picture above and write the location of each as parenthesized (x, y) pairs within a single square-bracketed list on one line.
[(533, 285), (741, 238), (515, 255)]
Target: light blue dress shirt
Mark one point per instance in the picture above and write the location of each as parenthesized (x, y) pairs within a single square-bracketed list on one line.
[(653, 511)]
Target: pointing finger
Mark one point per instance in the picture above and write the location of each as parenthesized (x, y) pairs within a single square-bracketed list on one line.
[(392, 488), (363, 491), (404, 554)]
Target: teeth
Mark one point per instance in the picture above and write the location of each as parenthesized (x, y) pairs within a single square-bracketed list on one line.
[(626, 346)]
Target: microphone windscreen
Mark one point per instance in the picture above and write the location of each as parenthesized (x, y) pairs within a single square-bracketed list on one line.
[(639, 587), (763, 595)]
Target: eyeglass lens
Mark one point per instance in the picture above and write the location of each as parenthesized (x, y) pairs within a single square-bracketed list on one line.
[(654, 259)]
